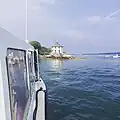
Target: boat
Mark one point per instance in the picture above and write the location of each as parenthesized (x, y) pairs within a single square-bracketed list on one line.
[(107, 56), (116, 56), (22, 91)]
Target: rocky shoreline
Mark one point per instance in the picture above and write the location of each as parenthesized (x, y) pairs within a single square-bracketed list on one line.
[(60, 58)]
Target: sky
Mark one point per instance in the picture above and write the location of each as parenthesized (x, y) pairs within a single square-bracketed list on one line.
[(81, 26)]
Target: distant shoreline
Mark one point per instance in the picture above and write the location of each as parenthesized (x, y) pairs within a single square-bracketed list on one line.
[(109, 53)]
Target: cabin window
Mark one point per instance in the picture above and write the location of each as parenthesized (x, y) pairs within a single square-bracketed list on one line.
[(17, 74), (30, 66), (36, 64), (31, 71)]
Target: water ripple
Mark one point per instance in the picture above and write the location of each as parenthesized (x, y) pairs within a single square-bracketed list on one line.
[(83, 90)]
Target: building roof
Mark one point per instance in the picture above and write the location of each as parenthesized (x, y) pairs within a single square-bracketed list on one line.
[(57, 45)]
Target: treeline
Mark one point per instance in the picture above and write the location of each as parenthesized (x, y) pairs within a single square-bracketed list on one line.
[(110, 53), (41, 49)]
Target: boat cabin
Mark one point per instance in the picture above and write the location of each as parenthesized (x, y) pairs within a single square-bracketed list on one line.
[(22, 91)]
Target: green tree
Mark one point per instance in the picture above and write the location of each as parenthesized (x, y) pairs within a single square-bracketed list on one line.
[(35, 44), (41, 50)]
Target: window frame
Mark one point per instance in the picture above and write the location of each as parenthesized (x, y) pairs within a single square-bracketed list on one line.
[(9, 81)]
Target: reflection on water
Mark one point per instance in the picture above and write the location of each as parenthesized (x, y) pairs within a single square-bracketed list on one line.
[(56, 64)]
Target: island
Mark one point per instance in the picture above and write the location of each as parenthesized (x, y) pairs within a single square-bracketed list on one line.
[(55, 52)]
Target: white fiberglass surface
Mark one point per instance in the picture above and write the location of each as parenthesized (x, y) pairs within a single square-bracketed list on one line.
[(2, 107)]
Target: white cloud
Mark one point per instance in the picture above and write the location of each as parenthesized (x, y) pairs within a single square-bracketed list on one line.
[(47, 1), (75, 34), (47, 22), (36, 4), (48, 25), (94, 19), (12, 16), (101, 19), (111, 15)]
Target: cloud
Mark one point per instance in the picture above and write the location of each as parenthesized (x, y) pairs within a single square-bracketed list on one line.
[(74, 34), (101, 19), (36, 4), (112, 14), (12, 16), (94, 19), (49, 26), (49, 20), (47, 2)]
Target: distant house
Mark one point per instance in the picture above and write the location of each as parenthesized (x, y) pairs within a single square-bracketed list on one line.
[(57, 49), (57, 52)]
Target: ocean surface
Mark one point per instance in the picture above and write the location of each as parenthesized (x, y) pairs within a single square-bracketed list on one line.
[(82, 89)]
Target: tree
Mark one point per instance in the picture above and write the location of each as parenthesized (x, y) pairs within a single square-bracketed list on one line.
[(35, 44), (41, 50), (44, 51)]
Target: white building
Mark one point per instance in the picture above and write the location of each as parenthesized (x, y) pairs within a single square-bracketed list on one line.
[(57, 49)]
